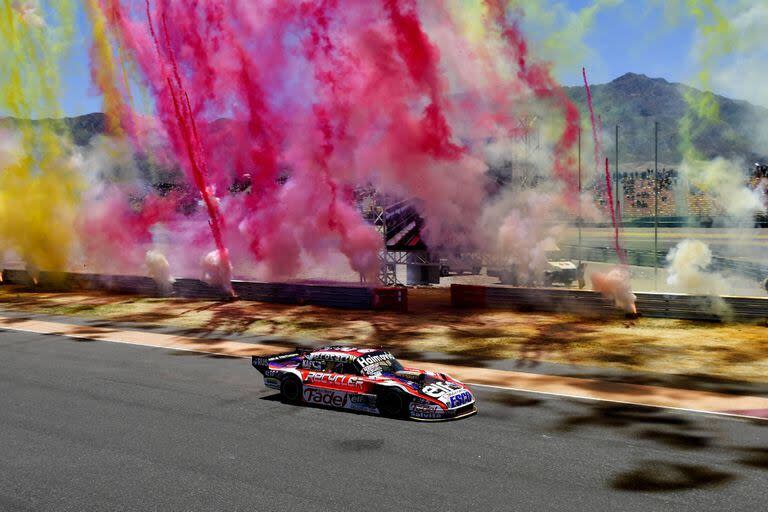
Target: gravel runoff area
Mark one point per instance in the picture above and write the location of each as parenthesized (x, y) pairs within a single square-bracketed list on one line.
[(432, 329)]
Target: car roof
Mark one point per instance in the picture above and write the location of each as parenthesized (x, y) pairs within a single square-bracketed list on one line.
[(341, 353)]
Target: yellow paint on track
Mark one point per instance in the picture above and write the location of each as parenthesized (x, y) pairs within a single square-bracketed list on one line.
[(573, 387)]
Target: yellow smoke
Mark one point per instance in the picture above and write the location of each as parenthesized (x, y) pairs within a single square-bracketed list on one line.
[(471, 17), (717, 38), (557, 31), (105, 73), (40, 189)]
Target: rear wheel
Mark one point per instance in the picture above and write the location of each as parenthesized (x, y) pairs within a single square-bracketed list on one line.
[(392, 403), (290, 389)]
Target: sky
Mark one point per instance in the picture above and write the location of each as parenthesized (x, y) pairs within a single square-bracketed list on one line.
[(633, 36)]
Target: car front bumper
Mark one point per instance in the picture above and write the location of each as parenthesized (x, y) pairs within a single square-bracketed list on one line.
[(448, 414)]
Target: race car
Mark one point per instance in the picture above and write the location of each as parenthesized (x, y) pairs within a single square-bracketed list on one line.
[(367, 380)]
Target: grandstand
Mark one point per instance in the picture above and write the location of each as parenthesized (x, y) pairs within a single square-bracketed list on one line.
[(638, 193), (676, 196)]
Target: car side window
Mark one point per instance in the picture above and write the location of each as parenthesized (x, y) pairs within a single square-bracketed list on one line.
[(350, 369), (333, 367), (341, 367), (311, 364)]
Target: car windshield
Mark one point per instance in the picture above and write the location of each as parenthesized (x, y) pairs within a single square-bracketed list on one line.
[(385, 366)]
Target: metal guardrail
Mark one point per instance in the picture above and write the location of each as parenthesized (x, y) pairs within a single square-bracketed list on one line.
[(646, 258), (584, 302)]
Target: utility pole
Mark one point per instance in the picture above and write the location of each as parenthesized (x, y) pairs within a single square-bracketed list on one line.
[(656, 206), (616, 178)]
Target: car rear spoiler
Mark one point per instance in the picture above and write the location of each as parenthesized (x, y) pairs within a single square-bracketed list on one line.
[(261, 363)]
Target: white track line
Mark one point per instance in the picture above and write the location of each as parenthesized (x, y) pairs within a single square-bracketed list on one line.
[(595, 399)]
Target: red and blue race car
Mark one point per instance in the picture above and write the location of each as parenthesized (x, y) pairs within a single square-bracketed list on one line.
[(366, 380)]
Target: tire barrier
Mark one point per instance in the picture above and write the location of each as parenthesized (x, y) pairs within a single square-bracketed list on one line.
[(329, 295), (589, 303)]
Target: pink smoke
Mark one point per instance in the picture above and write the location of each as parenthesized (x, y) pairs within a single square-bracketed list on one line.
[(307, 100), (538, 77)]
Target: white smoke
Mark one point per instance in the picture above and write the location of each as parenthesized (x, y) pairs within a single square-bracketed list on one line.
[(725, 180), (688, 273), (159, 270), (522, 230), (106, 161), (688, 265), (215, 272)]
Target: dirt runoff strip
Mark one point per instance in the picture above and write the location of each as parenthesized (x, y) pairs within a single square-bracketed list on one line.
[(653, 396)]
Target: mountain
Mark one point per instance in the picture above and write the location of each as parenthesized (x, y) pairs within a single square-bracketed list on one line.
[(81, 128), (635, 102)]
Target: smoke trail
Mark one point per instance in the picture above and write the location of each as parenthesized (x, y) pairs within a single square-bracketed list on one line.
[(538, 78), (303, 103), (188, 132), (357, 242), (40, 190), (598, 153), (595, 139), (615, 284), (616, 244), (421, 60), (103, 69)]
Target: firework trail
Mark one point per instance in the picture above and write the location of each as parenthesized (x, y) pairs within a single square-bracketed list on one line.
[(190, 137), (595, 137), (538, 78)]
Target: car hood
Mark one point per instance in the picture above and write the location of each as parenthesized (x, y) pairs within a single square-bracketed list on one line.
[(434, 386)]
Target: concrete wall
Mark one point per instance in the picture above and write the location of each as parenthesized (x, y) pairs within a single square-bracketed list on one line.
[(330, 295), (584, 302)]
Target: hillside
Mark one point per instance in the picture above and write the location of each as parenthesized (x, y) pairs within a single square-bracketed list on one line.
[(635, 101), (81, 128)]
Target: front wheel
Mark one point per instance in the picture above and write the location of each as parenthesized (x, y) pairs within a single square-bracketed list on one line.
[(290, 389), (392, 403)]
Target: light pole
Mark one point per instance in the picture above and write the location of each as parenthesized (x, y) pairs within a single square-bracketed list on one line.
[(656, 205), (578, 220), (616, 178)]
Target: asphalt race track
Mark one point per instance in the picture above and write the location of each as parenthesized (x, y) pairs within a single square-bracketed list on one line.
[(731, 242), (104, 426)]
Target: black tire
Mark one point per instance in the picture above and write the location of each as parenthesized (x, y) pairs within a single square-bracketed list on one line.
[(290, 389), (392, 403)]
